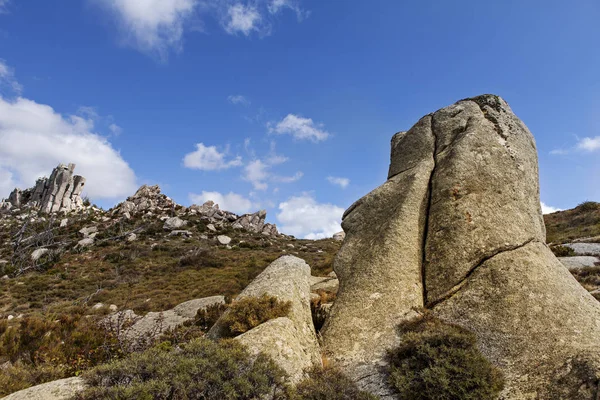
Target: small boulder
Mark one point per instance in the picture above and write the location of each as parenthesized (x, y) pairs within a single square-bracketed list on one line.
[(223, 239), (38, 253), (181, 233), (88, 231), (61, 389), (64, 222), (174, 223), (211, 228), (87, 242)]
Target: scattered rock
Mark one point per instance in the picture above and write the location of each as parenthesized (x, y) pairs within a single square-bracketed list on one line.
[(174, 223), (223, 239), (64, 222), (211, 228), (38, 253), (88, 231), (87, 242), (181, 233)]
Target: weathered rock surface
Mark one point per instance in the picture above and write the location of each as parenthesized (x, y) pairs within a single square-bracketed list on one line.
[(145, 329), (458, 229), (291, 341), (339, 236), (59, 193), (578, 262), (174, 223), (62, 389), (583, 249)]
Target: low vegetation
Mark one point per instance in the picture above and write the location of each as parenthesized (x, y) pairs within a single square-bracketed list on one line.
[(201, 369), (328, 384), (249, 312), (565, 226), (562, 251), (438, 361)]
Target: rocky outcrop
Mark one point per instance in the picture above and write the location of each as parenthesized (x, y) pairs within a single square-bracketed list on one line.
[(578, 262), (59, 193), (150, 200), (291, 341), (139, 332), (457, 228), (61, 389)]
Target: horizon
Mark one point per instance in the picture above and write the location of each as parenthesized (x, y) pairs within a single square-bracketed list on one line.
[(283, 105)]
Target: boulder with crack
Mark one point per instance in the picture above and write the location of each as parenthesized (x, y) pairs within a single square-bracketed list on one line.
[(458, 229)]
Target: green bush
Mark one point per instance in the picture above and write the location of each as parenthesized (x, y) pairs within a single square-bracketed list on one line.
[(562, 251), (207, 317), (438, 361), (328, 384), (249, 312), (201, 369)]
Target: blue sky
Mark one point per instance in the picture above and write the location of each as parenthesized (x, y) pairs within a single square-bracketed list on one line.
[(287, 105)]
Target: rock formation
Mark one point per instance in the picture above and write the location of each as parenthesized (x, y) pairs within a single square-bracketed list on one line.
[(59, 193), (457, 228), (149, 199), (291, 341)]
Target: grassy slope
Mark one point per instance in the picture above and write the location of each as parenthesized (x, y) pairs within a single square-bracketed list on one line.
[(565, 226)]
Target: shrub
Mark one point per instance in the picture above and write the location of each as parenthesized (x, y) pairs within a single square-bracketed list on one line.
[(588, 206), (201, 369), (207, 317), (441, 361), (328, 384), (249, 312), (562, 251)]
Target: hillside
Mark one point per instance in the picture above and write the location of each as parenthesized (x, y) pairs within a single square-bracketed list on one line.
[(580, 222)]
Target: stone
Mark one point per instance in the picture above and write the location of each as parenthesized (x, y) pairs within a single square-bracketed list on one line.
[(330, 286), (291, 340), (174, 223), (88, 231), (10, 317), (457, 229), (64, 222), (62, 389), (211, 228), (183, 233), (113, 307), (578, 262), (339, 236), (223, 239), (145, 329), (132, 237), (87, 242), (38, 253), (585, 249), (97, 306)]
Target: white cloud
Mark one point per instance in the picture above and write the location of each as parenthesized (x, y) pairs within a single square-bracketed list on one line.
[(288, 179), (152, 26), (589, 144), (208, 158), (229, 202), (238, 99), (341, 182), (300, 128), (275, 6), (303, 216), (7, 75), (546, 209), (4, 6), (256, 172), (242, 19), (34, 138), (115, 129)]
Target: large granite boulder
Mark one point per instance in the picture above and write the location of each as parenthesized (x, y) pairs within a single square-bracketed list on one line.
[(458, 229), (61, 389), (291, 341)]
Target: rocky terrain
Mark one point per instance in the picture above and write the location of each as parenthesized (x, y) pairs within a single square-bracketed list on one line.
[(455, 233)]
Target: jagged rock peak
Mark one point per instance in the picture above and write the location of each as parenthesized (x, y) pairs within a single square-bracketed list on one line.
[(59, 193)]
